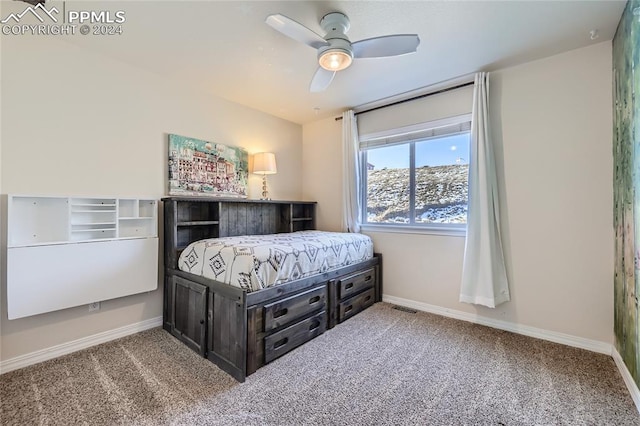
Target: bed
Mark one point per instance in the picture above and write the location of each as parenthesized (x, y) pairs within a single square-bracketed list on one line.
[(247, 281)]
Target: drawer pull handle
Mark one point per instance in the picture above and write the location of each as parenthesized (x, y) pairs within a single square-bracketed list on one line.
[(348, 286), (348, 308), (314, 325), (368, 278), (280, 343), (281, 312), (314, 300), (201, 321), (366, 299)]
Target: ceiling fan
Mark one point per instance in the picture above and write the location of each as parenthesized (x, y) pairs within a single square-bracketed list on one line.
[(335, 51)]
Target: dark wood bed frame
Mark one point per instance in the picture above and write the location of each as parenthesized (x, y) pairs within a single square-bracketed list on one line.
[(239, 331)]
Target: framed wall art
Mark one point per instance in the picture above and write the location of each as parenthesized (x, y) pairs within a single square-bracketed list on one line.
[(198, 167)]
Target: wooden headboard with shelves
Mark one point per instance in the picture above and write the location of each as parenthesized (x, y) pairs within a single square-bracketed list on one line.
[(189, 219)]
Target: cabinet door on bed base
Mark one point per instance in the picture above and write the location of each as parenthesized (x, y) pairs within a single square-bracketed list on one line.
[(187, 312), (227, 334)]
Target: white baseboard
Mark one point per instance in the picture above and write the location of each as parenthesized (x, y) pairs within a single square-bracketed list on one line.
[(552, 336), (628, 380), (76, 345)]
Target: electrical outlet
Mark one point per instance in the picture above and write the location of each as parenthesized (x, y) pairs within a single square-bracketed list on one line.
[(95, 306)]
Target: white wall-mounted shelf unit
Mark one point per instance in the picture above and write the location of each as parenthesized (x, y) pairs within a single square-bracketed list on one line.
[(70, 251)]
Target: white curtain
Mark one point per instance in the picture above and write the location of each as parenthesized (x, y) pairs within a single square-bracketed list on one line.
[(351, 173), (484, 276)]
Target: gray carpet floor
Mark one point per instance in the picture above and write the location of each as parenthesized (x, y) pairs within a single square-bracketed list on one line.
[(382, 367)]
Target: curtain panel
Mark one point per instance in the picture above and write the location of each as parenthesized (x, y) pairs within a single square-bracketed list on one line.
[(484, 275), (351, 213)]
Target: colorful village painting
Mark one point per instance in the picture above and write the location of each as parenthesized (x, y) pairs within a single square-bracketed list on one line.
[(199, 167)]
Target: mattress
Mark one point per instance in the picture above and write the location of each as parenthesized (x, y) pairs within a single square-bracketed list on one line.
[(255, 262)]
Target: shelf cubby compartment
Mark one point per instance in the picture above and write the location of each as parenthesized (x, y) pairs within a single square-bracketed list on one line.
[(127, 208), (92, 219), (93, 204), (93, 234), (92, 215), (136, 227), (198, 211), (37, 220), (147, 208), (301, 225), (302, 211), (188, 234)]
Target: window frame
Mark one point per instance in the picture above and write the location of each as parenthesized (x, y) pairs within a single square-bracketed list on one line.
[(449, 229)]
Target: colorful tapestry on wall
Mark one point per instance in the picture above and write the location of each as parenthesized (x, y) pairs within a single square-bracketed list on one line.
[(626, 152), (199, 167)]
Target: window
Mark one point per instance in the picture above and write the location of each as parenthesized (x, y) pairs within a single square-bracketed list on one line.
[(418, 178)]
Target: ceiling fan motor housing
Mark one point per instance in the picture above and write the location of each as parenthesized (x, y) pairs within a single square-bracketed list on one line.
[(335, 21)]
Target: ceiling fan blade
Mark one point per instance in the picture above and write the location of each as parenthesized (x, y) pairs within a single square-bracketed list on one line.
[(392, 45), (295, 30), (321, 80)]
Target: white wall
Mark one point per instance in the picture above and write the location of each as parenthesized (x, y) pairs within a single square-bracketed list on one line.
[(552, 121), (322, 172), (79, 123)]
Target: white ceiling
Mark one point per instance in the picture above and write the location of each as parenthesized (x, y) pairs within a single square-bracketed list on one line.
[(226, 49)]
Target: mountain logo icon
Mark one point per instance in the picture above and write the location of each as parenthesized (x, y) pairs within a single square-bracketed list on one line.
[(33, 10)]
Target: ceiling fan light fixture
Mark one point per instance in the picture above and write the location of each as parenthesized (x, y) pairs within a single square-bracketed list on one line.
[(335, 50), (335, 59)]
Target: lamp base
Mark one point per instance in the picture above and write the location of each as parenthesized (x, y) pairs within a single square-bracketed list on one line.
[(265, 193)]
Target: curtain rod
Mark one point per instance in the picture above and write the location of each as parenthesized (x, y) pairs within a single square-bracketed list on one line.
[(459, 86)]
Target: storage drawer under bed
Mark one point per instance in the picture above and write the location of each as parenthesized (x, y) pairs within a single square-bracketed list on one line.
[(283, 341), (355, 304), (355, 283), (288, 310)]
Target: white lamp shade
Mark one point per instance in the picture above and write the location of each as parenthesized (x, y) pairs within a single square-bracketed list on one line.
[(264, 163)]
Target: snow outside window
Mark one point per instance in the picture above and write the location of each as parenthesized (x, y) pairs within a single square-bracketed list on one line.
[(420, 182)]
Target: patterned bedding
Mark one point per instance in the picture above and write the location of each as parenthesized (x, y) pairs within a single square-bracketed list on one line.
[(254, 262)]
